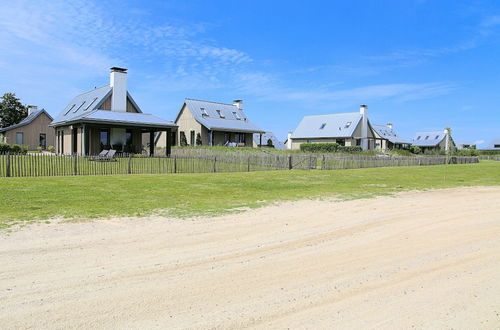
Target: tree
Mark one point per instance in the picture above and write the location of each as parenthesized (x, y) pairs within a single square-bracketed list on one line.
[(11, 110), (183, 140), (198, 139), (270, 143)]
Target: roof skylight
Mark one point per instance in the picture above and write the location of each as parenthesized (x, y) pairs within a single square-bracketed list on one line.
[(70, 109), (204, 112), (427, 137), (79, 106), (90, 104), (236, 115), (437, 137), (220, 114), (348, 124), (418, 138), (322, 126)]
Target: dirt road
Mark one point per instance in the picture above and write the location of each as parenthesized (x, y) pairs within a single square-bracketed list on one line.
[(418, 260)]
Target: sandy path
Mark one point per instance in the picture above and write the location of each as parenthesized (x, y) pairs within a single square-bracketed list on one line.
[(422, 259)]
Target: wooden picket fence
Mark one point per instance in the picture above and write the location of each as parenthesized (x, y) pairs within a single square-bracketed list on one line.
[(43, 165)]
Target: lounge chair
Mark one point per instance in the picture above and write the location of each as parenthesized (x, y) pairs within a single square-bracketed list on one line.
[(107, 157)]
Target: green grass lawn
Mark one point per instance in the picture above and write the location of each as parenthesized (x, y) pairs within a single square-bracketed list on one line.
[(23, 200)]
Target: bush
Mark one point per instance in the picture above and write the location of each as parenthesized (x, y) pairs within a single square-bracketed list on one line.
[(4, 148), (118, 147), (13, 148), (183, 141), (51, 149), (328, 147), (415, 150), (198, 139), (270, 143)]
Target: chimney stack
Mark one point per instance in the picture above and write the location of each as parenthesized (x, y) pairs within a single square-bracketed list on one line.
[(31, 109), (363, 110), (289, 141), (389, 126), (238, 104), (118, 82)]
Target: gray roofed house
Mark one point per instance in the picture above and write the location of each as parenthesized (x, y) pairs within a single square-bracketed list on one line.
[(349, 129), (214, 123), (495, 145), (107, 118), (432, 141), (33, 131), (257, 138), (386, 138)]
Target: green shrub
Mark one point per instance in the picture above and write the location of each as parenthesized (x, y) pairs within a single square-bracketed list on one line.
[(4, 148), (198, 139), (349, 149), (183, 140), (415, 150), (319, 147), (16, 149), (51, 149)]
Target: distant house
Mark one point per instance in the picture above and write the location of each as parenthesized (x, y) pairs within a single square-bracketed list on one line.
[(466, 145), (263, 139), (495, 145), (214, 124), (346, 129), (33, 131), (386, 138), (433, 141), (107, 118)]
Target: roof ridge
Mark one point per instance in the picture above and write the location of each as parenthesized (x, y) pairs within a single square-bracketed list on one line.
[(90, 91), (187, 98), (333, 114)]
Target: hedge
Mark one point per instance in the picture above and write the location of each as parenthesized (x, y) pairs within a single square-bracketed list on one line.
[(13, 148), (328, 147)]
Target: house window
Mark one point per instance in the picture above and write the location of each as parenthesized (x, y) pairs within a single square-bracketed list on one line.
[(90, 104), (418, 138), (81, 105), (19, 138), (43, 140), (322, 126), (340, 142), (240, 137), (193, 141), (226, 137), (221, 115), (70, 109), (204, 112), (104, 138), (62, 142), (496, 146), (427, 137), (74, 133), (437, 137), (128, 137), (348, 124), (236, 115)]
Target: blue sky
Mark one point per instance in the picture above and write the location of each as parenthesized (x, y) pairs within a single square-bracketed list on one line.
[(421, 65)]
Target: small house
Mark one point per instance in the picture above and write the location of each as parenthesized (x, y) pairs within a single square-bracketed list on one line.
[(387, 139), (434, 141)]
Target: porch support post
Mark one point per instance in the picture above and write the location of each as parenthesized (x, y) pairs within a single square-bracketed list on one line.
[(210, 138), (84, 142), (260, 140), (168, 149), (151, 143)]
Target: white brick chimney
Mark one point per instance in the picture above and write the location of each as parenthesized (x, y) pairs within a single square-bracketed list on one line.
[(363, 110), (389, 126), (238, 104), (289, 141), (31, 109), (118, 81)]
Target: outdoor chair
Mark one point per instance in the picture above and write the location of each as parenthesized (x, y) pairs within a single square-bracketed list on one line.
[(107, 157)]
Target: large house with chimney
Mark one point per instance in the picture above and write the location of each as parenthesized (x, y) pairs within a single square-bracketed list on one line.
[(107, 118), (214, 124), (346, 129), (33, 131)]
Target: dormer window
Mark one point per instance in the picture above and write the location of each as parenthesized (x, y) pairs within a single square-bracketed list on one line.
[(322, 126), (221, 115), (427, 137), (236, 115), (204, 112), (348, 124)]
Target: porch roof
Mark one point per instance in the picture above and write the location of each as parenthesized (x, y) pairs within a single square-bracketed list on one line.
[(121, 119)]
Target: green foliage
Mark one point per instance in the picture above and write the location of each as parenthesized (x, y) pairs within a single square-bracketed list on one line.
[(51, 149), (214, 194), (328, 147), (415, 150), (11, 110), (118, 147), (401, 152), (183, 140), (13, 148), (39, 149), (199, 142)]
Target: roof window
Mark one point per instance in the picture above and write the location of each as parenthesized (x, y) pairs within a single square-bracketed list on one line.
[(418, 138), (90, 104), (79, 107), (221, 115), (236, 115), (322, 126), (437, 137), (70, 109), (348, 124), (427, 137), (204, 112)]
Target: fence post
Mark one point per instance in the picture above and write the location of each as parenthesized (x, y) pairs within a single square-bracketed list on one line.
[(129, 164), (248, 168), (75, 166), (215, 164), (175, 164), (7, 170), (323, 162), (290, 162)]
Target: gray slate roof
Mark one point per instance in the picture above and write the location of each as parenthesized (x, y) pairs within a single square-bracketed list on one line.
[(339, 125), (428, 139), (266, 136), (388, 134), (213, 121), (34, 115), (85, 107)]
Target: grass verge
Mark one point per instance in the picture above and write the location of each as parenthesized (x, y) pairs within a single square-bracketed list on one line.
[(23, 200)]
